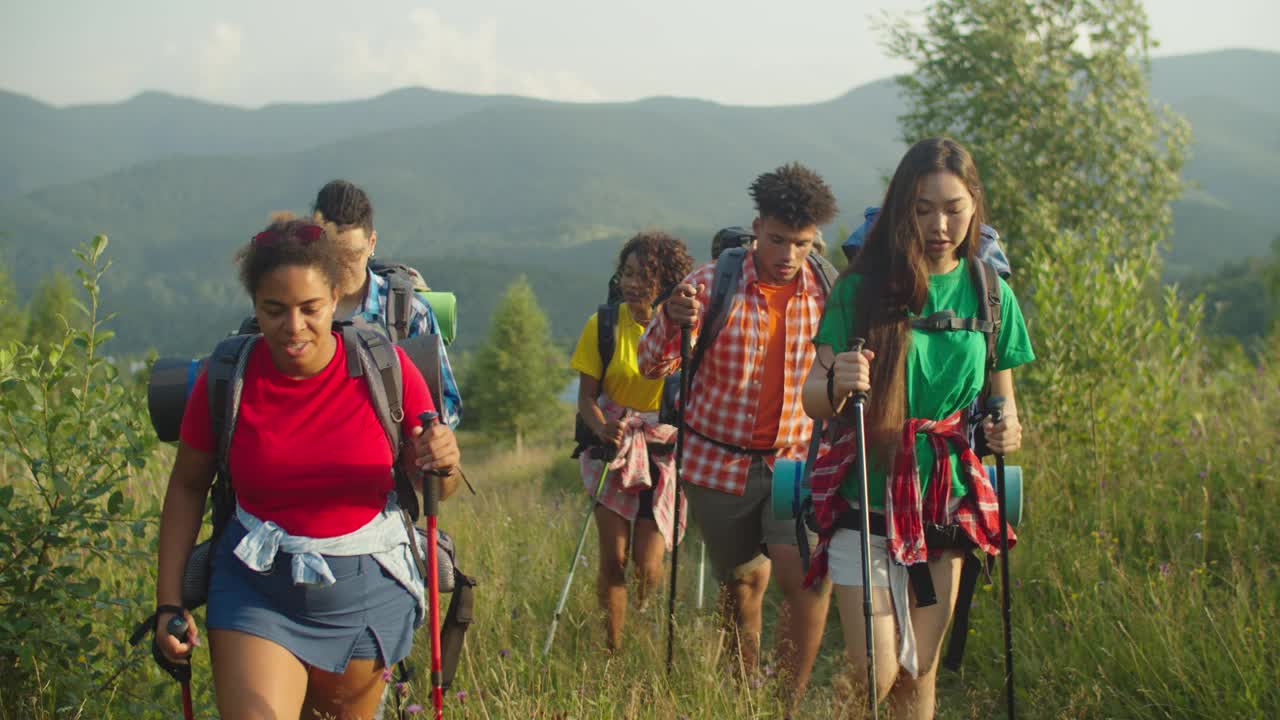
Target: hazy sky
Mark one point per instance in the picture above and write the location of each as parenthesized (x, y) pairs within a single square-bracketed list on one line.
[(252, 52)]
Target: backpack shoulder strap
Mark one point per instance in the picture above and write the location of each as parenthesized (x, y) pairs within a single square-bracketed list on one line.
[(606, 335), (249, 326), (225, 379), (378, 362), (825, 271), (403, 281), (724, 285), (987, 284)]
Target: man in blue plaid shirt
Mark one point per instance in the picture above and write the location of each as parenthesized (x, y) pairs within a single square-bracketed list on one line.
[(366, 294)]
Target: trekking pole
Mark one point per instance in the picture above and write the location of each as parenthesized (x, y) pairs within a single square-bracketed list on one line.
[(582, 539), (702, 571), (177, 627), (995, 406), (864, 510), (686, 344), (431, 508)]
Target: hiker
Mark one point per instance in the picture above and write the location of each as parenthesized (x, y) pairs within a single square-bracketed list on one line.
[(743, 411), (347, 213), (620, 406), (922, 372), (308, 630)]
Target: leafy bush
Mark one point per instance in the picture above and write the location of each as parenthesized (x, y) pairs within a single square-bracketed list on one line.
[(73, 435)]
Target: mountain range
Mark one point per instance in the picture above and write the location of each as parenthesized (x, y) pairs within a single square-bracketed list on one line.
[(476, 189)]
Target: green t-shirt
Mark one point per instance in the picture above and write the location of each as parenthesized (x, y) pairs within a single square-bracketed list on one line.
[(944, 369)]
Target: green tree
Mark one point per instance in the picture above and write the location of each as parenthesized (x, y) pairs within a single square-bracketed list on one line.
[(51, 308), (513, 381), (1052, 97), (1079, 167)]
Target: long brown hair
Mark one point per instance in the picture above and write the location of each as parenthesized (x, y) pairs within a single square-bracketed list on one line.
[(895, 280)]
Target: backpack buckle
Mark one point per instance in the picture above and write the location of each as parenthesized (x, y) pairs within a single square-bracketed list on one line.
[(941, 320)]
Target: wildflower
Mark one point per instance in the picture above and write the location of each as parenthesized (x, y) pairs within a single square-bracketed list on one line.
[(413, 709), (757, 681), (504, 653), (1197, 536), (461, 695), (768, 671), (386, 675), (1204, 474), (1165, 569), (402, 689)]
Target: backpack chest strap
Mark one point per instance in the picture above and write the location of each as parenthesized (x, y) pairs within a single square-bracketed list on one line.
[(945, 320)]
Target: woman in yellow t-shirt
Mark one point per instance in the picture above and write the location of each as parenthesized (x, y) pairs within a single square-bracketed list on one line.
[(620, 406)]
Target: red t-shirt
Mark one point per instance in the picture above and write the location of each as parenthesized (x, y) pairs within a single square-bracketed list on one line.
[(310, 454)]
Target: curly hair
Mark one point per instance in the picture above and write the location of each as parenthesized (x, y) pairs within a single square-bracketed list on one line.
[(344, 204), (795, 195), (663, 259), (285, 243)]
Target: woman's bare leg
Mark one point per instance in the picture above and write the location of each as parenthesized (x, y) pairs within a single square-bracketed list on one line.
[(915, 698), (254, 678), (611, 581)]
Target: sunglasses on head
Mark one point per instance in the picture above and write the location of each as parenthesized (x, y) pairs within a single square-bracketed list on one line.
[(305, 233)]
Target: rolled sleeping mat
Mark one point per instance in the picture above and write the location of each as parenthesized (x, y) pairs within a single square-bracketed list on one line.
[(791, 488), (167, 392), (445, 307)]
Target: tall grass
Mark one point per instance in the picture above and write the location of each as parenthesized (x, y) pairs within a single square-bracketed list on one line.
[(1146, 579)]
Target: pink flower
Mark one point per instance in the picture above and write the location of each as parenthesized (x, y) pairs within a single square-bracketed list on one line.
[(461, 695), (413, 709), (386, 675)]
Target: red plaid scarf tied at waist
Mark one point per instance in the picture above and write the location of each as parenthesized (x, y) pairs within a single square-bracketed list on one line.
[(977, 513)]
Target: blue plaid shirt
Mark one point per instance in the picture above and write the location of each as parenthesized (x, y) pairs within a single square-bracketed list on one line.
[(421, 321)]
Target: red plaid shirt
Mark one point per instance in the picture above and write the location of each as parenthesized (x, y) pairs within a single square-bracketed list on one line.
[(977, 513), (726, 391)]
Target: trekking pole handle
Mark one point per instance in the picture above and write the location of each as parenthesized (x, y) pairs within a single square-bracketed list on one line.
[(858, 396), (995, 407), (430, 478), (177, 627)]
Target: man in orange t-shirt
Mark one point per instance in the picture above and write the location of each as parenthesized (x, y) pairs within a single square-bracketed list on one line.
[(744, 411)]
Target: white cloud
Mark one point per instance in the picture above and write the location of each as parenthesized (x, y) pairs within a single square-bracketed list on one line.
[(447, 57), (218, 60)]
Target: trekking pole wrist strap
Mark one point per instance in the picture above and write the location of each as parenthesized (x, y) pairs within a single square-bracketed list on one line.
[(165, 608)]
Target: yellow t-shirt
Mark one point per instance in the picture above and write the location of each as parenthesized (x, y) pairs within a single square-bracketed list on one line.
[(623, 382)]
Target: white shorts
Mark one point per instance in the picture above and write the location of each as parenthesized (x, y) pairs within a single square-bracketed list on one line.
[(844, 559)]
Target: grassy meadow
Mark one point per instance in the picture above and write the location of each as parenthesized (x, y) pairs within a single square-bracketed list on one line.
[(1145, 586)]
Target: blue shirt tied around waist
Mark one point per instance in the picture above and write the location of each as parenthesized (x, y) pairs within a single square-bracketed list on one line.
[(383, 538)]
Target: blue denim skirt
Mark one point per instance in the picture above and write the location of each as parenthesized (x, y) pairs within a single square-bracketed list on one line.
[(365, 614)]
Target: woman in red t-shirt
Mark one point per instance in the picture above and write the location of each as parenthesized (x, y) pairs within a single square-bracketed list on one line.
[(310, 597)]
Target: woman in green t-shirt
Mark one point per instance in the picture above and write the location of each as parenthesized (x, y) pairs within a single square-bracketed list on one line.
[(917, 261), (620, 406)]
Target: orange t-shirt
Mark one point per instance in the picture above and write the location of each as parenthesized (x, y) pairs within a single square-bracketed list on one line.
[(769, 412)]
